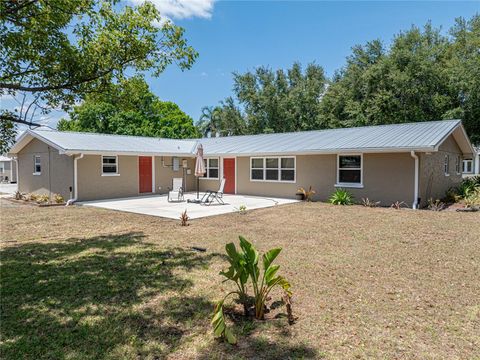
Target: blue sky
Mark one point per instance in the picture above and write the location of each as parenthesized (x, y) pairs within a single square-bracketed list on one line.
[(241, 35)]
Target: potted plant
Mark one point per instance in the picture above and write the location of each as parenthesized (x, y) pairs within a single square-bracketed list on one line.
[(306, 195), (300, 195)]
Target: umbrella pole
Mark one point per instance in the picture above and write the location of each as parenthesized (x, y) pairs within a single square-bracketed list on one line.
[(198, 185)]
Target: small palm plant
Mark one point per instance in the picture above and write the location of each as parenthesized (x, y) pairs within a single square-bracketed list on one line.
[(341, 197), (435, 205), (244, 266), (398, 205), (58, 199), (307, 194), (184, 218), (370, 203)]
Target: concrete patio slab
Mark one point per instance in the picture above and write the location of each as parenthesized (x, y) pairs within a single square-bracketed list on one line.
[(7, 190), (157, 205)]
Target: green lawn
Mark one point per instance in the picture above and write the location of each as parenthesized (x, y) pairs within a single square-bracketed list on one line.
[(84, 283)]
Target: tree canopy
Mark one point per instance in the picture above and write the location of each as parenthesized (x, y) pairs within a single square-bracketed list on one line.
[(129, 108), (53, 53), (268, 101), (423, 75)]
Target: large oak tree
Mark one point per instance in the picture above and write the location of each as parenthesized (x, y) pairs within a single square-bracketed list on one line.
[(54, 52)]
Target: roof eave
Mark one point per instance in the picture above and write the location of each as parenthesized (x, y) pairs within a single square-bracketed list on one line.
[(71, 152), (23, 141), (460, 126)]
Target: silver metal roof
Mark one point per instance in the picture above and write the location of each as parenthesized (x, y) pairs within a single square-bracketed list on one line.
[(398, 137), (75, 142), (422, 136)]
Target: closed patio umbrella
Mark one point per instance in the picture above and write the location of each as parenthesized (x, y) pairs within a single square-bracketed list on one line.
[(199, 167)]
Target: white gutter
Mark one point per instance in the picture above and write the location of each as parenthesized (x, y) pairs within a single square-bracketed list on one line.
[(415, 191), (75, 180)]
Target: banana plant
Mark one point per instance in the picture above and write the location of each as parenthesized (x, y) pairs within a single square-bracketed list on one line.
[(262, 286), (218, 322), (237, 272), (244, 266)]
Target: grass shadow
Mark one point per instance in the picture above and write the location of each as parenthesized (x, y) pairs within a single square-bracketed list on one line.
[(268, 339), (82, 298)]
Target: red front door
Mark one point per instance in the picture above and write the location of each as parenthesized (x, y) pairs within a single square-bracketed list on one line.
[(145, 173), (229, 175)]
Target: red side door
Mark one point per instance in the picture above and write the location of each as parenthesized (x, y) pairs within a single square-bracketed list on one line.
[(229, 175), (145, 174)]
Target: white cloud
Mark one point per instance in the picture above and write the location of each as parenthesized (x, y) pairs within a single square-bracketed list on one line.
[(182, 9)]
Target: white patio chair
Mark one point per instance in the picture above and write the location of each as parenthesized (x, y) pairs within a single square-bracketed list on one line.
[(175, 193), (210, 195)]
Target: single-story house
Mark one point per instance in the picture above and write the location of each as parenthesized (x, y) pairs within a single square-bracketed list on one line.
[(8, 170), (388, 163)]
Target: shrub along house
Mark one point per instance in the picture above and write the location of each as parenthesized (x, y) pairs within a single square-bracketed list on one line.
[(388, 163)]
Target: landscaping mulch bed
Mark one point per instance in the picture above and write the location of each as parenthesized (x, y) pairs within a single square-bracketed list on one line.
[(33, 203)]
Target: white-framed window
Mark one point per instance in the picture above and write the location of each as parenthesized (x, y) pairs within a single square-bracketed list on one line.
[(212, 168), (446, 165), (110, 166), (467, 166), (37, 165), (273, 168), (350, 170), (457, 165)]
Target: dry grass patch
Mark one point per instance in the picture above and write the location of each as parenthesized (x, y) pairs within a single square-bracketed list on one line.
[(85, 283)]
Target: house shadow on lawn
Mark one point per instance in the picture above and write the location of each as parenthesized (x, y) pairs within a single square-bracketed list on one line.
[(85, 298)]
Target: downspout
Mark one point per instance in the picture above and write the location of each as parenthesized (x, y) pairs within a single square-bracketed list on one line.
[(415, 191), (75, 180)]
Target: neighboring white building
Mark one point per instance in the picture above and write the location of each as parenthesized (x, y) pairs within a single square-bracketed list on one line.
[(471, 166), (8, 170)]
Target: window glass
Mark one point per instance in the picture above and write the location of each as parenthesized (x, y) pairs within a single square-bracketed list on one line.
[(213, 173), (349, 169), (273, 169), (467, 166), (212, 169), (350, 161), (257, 174), (350, 176), (272, 174), (272, 163), (257, 163), (109, 164), (288, 175), (37, 164), (288, 163), (213, 163)]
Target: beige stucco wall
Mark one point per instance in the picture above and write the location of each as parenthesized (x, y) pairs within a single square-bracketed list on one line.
[(164, 174), (92, 185), (433, 182), (387, 177), (57, 170)]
